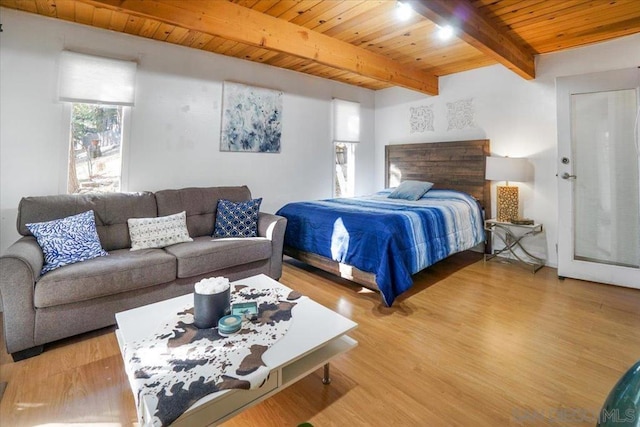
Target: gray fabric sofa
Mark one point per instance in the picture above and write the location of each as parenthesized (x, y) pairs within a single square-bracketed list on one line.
[(85, 296)]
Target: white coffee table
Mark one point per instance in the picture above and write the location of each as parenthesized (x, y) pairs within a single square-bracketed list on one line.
[(316, 335)]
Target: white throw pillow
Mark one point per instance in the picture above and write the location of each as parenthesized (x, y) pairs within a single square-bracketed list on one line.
[(158, 232)]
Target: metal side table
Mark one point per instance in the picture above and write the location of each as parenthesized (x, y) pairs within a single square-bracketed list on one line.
[(512, 241)]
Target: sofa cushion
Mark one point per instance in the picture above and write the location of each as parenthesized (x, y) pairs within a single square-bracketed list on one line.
[(68, 240), (206, 254), (121, 271), (112, 210), (200, 204), (237, 219), (158, 232)]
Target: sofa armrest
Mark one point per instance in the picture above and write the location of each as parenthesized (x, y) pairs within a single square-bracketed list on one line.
[(272, 227), (19, 270)]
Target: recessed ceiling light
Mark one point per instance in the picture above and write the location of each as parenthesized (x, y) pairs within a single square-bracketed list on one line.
[(403, 11), (445, 32)]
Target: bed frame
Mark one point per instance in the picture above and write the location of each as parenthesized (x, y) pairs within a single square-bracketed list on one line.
[(457, 165)]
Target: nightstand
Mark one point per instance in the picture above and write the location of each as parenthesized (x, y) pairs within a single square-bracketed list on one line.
[(513, 236)]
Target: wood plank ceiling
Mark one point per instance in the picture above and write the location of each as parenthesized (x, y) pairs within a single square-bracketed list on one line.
[(361, 42)]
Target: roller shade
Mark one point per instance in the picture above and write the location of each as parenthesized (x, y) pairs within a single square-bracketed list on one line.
[(346, 121), (94, 79)]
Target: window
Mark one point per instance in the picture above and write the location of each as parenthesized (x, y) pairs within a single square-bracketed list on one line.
[(346, 135), (345, 170), (95, 155), (100, 92)]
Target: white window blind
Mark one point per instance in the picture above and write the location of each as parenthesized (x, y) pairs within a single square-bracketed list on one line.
[(94, 79), (346, 121)]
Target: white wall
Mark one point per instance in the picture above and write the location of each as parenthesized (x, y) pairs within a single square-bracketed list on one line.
[(175, 124), (518, 116)]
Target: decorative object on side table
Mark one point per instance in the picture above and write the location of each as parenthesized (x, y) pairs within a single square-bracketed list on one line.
[(522, 221), (507, 169), (211, 301)]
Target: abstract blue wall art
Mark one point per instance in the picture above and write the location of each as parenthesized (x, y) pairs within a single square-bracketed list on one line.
[(251, 119)]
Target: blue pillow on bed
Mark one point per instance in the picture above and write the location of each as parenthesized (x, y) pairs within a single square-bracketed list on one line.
[(411, 190)]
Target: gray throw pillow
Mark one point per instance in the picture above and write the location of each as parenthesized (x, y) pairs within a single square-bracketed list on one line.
[(411, 190)]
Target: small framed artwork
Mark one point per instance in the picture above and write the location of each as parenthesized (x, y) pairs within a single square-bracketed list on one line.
[(251, 119), (246, 310)]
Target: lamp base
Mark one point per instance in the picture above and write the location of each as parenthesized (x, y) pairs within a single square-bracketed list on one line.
[(507, 203)]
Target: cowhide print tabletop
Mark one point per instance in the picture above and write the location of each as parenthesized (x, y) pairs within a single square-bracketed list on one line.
[(180, 363)]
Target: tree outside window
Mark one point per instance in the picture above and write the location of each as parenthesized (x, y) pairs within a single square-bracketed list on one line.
[(95, 155), (346, 135), (344, 185)]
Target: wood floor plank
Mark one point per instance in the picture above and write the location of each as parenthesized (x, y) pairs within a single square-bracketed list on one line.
[(472, 344)]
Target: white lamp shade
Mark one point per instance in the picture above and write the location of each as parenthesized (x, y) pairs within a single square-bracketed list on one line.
[(346, 121), (94, 79), (507, 169)]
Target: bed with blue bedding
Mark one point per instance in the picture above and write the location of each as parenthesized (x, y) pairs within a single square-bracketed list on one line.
[(389, 238)]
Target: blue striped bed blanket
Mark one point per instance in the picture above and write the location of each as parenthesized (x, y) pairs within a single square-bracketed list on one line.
[(391, 238)]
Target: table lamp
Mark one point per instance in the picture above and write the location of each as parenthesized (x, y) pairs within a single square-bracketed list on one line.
[(507, 169)]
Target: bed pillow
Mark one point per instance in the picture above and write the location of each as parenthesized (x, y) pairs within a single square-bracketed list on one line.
[(237, 219), (158, 232), (67, 240), (411, 190)]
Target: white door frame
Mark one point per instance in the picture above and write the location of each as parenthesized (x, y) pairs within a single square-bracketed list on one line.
[(567, 265)]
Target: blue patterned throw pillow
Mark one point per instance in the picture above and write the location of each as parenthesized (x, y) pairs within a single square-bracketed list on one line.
[(67, 240), (237, 219)]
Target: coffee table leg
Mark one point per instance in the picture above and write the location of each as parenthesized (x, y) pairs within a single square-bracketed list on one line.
[(326, 378)]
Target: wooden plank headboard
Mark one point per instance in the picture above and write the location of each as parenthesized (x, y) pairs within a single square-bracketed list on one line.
[(456, 165)]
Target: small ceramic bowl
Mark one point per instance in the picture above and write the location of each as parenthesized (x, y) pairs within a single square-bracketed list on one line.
[(229, 324)]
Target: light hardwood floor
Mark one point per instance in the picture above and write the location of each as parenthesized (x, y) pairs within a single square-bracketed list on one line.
[(472, 344)]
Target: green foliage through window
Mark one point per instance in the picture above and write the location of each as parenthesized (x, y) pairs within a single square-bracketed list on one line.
[(95, 161)]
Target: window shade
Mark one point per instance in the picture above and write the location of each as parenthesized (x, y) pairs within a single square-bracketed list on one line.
[(94, 79), (346, 121)]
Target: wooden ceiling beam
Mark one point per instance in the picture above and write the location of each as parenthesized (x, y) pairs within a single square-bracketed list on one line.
[(230, 21), (478, 31)]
